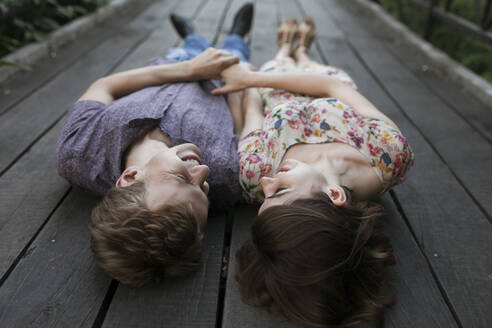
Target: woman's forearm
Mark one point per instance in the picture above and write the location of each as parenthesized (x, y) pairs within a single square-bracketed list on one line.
[(306, 83), (252, 107), (320, 85)]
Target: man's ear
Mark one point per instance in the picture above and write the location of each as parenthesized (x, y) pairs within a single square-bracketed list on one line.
[(128, 177), (336, 194)]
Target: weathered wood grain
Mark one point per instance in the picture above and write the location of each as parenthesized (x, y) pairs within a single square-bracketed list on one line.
[(466, 105), (226, 26), (29, 192), (236, 313), (289, 8), (440, 212), (56, 283), (31, 189), (21, 85), (419, 301), (264, 35), (179, 302), (31, 118)]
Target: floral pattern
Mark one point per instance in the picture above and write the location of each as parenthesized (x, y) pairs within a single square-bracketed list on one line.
[(294, 118)]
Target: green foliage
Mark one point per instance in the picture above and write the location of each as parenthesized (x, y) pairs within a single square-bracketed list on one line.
[(25, 21), (469, 51)]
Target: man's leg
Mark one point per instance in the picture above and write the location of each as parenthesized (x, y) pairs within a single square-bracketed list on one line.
[(235, 44), (194, 44)]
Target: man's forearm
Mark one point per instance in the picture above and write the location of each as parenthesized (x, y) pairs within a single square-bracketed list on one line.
[(118, 85), (206, 66)]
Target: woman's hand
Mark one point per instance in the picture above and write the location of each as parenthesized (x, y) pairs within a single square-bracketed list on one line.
[(209, 64), (235, 78)]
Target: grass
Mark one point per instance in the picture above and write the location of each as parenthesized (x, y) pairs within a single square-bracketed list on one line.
[(469, 51), (26, 21)]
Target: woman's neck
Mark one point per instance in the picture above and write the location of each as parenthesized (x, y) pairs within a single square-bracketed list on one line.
[(340, 164)]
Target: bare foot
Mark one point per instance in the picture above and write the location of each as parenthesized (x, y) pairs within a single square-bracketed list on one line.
[(305, 36), (286, 32)]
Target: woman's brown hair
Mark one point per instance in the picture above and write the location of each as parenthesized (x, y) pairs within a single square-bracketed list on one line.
[(318, 264)]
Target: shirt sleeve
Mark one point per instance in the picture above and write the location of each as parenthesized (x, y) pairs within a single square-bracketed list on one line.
[(73, 151), (252, 165)]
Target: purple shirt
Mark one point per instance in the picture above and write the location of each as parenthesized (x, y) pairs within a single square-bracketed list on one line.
[(93, 142)]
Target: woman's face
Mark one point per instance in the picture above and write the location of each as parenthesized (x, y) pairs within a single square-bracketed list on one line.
[(292, 181)]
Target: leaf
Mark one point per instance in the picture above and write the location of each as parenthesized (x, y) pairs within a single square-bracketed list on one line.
[(3, 8), (46, 24), (67, 11)]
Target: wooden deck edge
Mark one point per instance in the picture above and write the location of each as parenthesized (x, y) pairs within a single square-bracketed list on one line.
[(467, 79), (30, 54)]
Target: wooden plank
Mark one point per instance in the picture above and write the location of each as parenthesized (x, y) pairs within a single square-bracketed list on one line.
[(464, 150), (419, 301), (31, 118), (30, 190), (469, 108), (236, 313), (264, 33), (418, 293), (179, 302), (51, 286), (161, 39), (290, 8), (464, 104), (56, 283), (229, 19), (21, 85), (440, 212)]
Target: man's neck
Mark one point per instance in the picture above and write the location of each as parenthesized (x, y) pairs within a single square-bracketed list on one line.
[(146, 147)]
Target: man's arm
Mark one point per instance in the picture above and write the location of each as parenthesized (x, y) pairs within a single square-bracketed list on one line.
[(239, 77), (206, 66)]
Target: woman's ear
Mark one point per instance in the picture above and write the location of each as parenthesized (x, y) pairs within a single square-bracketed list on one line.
[(336, 194), (128, 177)]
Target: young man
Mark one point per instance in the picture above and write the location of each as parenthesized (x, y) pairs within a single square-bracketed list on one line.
[(149, 139)]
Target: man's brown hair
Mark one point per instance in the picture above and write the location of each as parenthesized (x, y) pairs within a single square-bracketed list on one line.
[(318, 264), (135, 245)]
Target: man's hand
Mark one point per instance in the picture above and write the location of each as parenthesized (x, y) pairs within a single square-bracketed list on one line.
[(235, 78), (209, 64)]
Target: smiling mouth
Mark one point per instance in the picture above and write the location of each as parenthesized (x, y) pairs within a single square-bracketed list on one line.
[(192, 159)]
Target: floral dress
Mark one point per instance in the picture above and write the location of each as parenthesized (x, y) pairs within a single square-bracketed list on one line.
[(294, 118)]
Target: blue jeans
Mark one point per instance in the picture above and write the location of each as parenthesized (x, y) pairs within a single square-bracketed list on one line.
[(195, 44)]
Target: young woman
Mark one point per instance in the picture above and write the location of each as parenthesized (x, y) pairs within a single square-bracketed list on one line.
[(314, 154)]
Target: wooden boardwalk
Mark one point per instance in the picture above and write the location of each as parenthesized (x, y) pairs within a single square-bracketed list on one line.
[(439, 220)]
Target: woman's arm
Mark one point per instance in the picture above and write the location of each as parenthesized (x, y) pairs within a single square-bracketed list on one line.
[(234, 102), (206, 66), (252, 107), (239, 77)]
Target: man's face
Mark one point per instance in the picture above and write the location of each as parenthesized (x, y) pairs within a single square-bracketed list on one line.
[(176, 176)]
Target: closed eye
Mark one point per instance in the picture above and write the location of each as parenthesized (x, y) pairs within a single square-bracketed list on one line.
[(183, 178), (279, 192)]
